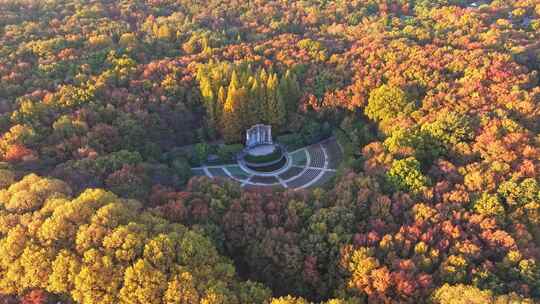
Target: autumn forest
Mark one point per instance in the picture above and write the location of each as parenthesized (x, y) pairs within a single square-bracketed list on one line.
[(107, 106)]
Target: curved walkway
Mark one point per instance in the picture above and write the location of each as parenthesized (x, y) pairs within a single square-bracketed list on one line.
[(306, 167)]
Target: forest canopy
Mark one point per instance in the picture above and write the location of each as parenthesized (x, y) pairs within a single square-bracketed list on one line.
[(106, 108)]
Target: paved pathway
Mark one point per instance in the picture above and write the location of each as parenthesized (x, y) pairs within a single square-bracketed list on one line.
[(306, 167)]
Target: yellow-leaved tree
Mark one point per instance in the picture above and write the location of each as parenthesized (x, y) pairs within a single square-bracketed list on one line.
[(99, 248)]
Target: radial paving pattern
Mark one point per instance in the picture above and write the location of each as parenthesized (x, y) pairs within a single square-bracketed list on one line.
[(291, 172), (310, 166), (317, 156)]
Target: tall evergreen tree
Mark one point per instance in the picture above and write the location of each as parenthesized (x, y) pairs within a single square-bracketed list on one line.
[(209, 102), (270, 92), (243, 107), (220, 104), (293, 92), (264, 97), (256, 95), (263, 76), (232, 120), (235, 81), (262, 102), (274, 111), (280, 110)]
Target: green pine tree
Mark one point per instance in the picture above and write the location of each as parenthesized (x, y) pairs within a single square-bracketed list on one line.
[(270, 100), (256, 95), (210, 105), (274, 107), (293, 92), (280, 110), (220, 104)]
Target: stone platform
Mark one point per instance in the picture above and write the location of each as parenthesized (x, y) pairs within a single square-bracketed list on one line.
[(261, 150)]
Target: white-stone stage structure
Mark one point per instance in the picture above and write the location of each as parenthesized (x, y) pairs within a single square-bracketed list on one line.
[(259, 135)]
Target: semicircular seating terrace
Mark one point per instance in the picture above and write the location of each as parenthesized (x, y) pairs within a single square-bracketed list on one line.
[(317, 156), (310, 166)]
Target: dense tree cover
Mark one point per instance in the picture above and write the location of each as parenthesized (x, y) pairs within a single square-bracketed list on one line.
[(98, 248), (357, 243), (236, 98), (435, 104)]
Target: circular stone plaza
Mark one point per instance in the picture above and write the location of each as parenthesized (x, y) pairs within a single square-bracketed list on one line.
[(311, 166)]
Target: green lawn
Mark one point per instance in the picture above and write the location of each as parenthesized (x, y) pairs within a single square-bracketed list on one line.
[(299, 158), (237, 172)]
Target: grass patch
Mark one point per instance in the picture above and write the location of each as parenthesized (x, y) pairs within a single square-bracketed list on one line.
[(237, 172), (299, 158)]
